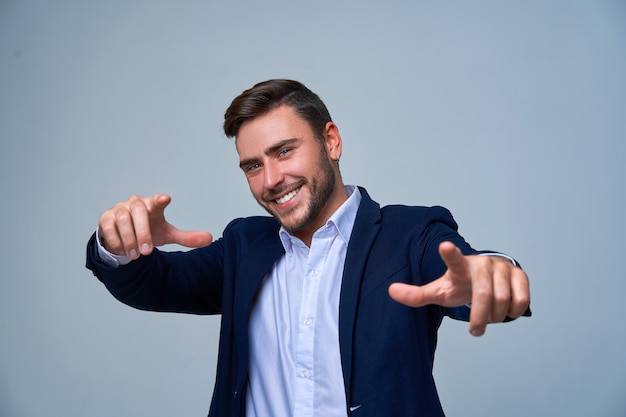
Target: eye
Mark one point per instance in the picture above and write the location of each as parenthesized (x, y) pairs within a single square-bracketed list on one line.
[(253, 167), (284, 152)]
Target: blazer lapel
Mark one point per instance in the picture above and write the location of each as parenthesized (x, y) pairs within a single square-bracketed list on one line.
[(366, 227), (258, 262)]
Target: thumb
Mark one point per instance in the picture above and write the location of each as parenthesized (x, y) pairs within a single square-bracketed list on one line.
[(171, 234), (190, 238), (413, 295), (442, 291)]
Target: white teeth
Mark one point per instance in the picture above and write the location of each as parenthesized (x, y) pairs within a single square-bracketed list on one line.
[(287, 197)]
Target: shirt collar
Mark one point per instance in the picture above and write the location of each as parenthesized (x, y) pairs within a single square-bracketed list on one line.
[(342, 220)]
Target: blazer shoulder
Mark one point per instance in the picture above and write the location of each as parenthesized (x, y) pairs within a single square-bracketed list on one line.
[(252, 228), (418, 215)]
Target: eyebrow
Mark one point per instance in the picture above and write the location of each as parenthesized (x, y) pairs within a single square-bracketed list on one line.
[(271, 150)]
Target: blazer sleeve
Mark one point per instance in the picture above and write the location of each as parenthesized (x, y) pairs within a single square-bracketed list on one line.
[(184, 282)]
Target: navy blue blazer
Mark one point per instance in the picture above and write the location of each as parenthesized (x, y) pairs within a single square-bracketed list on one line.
[(387, 349)]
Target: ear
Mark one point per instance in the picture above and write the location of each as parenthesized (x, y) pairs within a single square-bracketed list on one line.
[(333, 141)]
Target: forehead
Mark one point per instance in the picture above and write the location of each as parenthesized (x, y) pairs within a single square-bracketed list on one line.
[(269, 128)]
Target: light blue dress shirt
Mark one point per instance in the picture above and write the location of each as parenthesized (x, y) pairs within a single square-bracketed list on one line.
[(295, 364)]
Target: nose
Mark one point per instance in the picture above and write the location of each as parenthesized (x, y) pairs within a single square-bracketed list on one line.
[(272, 175)]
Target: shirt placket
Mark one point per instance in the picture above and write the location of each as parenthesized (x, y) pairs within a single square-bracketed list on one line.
[(305, 350)]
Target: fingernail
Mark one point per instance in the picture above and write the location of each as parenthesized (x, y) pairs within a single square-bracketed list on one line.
[(132, 254), (145, 248), (477, 332)]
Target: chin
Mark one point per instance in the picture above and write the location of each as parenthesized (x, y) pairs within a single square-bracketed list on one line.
[(292, 225)]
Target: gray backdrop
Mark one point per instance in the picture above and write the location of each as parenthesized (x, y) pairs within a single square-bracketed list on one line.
[(510, 113)]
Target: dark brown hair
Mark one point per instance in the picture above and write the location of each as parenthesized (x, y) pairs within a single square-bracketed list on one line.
[(269, 95)]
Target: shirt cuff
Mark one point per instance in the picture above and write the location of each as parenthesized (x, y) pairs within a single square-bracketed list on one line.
[(501, 255), (109, 258)]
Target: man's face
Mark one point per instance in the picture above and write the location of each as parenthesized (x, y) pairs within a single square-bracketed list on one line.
[(289, 171)]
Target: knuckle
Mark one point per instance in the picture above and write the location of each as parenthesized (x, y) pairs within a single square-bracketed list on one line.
[(123, 218), (522, 300), (502, 297), (520, 274), (138, 207), (484, 261), (483, 292), (483, 265), (501, 265), (135, 200), (107, 218), (108, 228)]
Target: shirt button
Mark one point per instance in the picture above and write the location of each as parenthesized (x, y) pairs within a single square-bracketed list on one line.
[(305, 373), (308, 322), (314, 273)]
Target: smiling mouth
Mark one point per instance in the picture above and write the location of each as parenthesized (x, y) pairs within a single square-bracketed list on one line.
[(287, 197)]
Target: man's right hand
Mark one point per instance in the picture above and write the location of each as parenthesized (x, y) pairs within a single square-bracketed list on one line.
[(135, 226)]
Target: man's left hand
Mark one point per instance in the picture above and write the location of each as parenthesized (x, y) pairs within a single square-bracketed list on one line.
[(494, 287)]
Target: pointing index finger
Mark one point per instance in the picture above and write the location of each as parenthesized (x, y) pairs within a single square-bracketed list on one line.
[(453, 258), (159, 202)]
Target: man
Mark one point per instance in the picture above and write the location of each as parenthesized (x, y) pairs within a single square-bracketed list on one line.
[(309, 322)]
